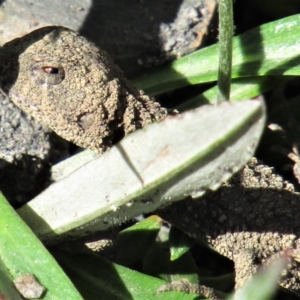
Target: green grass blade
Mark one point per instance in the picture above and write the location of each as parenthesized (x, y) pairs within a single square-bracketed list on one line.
[(179, 242), (271, 49), (225, 49), (97, 278), (22, 253), (7, 288), (241, 89)]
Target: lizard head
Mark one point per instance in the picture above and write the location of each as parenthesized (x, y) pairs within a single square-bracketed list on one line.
[(67, 83)]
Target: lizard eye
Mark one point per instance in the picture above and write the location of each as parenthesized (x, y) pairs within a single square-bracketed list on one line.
[(49, 75), (51, 70)]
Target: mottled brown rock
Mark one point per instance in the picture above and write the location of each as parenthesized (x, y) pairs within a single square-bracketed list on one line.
[(250, 220), (29, 287), (136, 34), (67, 83)]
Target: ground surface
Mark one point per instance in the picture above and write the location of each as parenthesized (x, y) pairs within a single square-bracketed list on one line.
[(140, 36)]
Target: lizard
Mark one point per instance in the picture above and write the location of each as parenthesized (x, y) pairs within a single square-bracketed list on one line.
[(67, 83), (251, 219)]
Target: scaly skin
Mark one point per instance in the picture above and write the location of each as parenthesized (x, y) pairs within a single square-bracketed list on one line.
[(250, 220), (68, 84)]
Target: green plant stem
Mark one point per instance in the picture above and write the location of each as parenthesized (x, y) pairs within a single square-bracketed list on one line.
[(271, 49), (225, 49)]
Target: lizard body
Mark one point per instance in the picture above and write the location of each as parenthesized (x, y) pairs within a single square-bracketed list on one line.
[(68, 84), (251, 219)]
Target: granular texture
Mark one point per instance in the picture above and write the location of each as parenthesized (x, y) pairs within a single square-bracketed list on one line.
[(251, 219), (68, 84)]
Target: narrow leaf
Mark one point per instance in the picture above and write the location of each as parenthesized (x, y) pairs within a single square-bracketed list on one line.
[(271, 49), (22, 253), (179, 242), (165, 162), (97, 278)]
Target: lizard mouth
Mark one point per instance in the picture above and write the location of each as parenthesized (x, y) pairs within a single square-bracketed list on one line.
[(22, 102)]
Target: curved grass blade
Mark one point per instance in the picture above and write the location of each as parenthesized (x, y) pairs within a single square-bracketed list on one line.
[(165, 162), (23, 253)]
